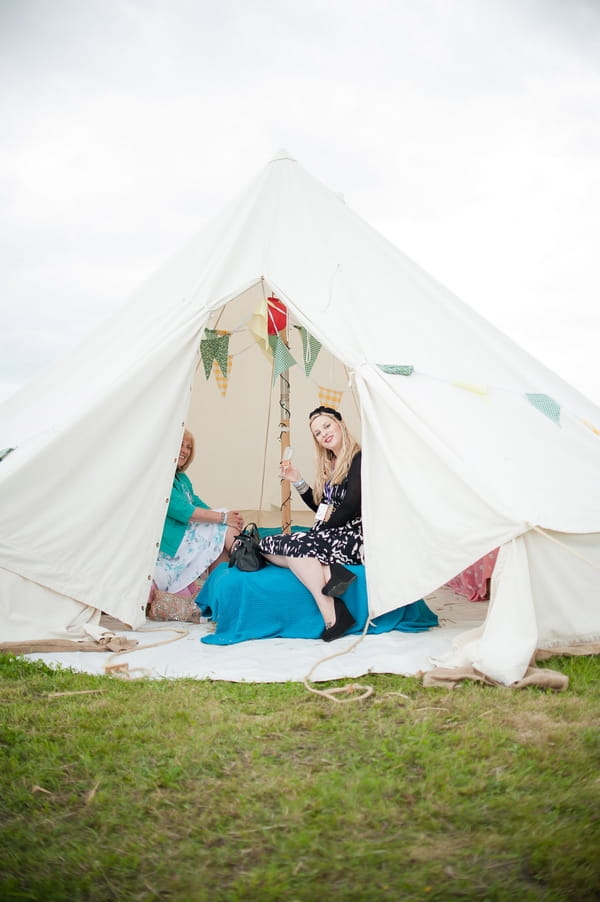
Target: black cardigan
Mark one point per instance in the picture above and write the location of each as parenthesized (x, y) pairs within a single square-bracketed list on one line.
[(350, 508)]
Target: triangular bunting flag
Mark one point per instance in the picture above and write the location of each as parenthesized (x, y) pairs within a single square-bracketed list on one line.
[(258, 327), (221, 378), (396, 369), (310, 349), (328, 397), (546, 405), (469, 386), (282, 358), (214, 346), (590, 426)]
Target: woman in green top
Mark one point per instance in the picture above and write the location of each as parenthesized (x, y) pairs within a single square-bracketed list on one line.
[(195, 537)]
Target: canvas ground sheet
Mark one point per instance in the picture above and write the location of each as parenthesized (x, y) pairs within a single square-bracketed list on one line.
[(174, 650)]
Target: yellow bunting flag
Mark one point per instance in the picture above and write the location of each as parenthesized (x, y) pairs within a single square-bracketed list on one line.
[(330, 398), (469, 386), (222, 380), (589, 426), (258, 327)]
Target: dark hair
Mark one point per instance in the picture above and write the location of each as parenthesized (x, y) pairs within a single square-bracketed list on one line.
[(320, 410)]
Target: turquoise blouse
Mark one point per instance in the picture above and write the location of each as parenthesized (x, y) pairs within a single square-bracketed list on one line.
[(182, 505)]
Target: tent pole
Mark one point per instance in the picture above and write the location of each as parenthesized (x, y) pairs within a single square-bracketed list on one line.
[(284, 438)]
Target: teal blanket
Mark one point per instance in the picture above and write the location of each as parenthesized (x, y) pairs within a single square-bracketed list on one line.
[(273, 603)]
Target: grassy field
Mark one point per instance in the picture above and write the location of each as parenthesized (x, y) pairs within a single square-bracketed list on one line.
[(191, 790)]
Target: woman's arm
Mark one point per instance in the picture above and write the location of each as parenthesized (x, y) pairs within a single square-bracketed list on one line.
[(288, 471), (308, 498), (186, 506), (183, 502), (351, 505), (227, 518)]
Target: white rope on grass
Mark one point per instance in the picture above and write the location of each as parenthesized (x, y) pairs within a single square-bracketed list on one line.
[(332, 693)]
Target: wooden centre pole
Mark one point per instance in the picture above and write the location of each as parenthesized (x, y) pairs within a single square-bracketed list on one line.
[(284, 440)]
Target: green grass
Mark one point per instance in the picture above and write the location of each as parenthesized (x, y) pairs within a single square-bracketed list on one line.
[(193, 790)]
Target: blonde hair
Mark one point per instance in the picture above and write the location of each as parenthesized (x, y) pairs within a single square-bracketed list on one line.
[(187, 434), (324, 458)]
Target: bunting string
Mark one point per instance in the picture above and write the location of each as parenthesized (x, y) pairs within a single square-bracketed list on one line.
[(272, 315), (544, 403)]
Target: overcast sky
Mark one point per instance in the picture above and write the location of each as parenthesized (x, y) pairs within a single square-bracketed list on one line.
[(466, 131)]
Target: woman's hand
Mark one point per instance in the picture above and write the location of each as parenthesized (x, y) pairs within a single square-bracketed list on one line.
[(235, 520), (232, 519), (288, 471)]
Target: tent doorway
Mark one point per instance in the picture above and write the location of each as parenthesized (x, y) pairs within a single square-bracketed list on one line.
[(237, 419)]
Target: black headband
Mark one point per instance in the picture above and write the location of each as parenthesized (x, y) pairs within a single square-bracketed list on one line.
[(330, 410)]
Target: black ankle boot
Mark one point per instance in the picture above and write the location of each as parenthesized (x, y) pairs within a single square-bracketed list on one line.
[(341, 579), (343, 622)]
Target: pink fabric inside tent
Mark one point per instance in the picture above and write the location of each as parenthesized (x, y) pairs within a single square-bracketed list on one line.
[(473, 582)]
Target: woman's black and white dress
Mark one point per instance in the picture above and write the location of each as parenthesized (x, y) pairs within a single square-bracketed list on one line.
[(336, 540)]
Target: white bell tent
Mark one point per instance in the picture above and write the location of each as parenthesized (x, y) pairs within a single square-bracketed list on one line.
[(468, 442)]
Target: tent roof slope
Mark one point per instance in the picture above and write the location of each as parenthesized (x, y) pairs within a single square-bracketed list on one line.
[(479, 396)]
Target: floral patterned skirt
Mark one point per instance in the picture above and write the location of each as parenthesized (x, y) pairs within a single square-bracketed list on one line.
[(202, 544)]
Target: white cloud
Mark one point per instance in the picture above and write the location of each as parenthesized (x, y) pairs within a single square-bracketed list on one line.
[(468, 133)]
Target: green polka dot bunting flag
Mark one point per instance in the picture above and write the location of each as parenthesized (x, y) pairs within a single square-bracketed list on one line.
[(396, 369), (214, 346), (282, 358), (310, 349), (546, 405)]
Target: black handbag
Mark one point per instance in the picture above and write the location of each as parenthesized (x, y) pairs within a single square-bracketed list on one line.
[(245, 553)]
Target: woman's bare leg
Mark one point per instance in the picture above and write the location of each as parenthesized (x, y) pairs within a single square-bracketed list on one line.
[(230, 535), (312, 574)]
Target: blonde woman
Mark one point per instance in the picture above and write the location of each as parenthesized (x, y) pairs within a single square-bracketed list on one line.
[(317, 557), (195, 537)]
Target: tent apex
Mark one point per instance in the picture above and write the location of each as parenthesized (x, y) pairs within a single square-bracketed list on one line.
[(283, 154)]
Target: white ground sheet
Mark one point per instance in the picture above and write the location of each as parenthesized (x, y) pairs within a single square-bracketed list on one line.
[(278, 660)]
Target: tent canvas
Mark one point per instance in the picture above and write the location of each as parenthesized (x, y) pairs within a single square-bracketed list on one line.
[(477, 446)]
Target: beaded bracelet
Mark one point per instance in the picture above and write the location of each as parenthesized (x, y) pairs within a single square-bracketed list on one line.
[(300, 484)]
